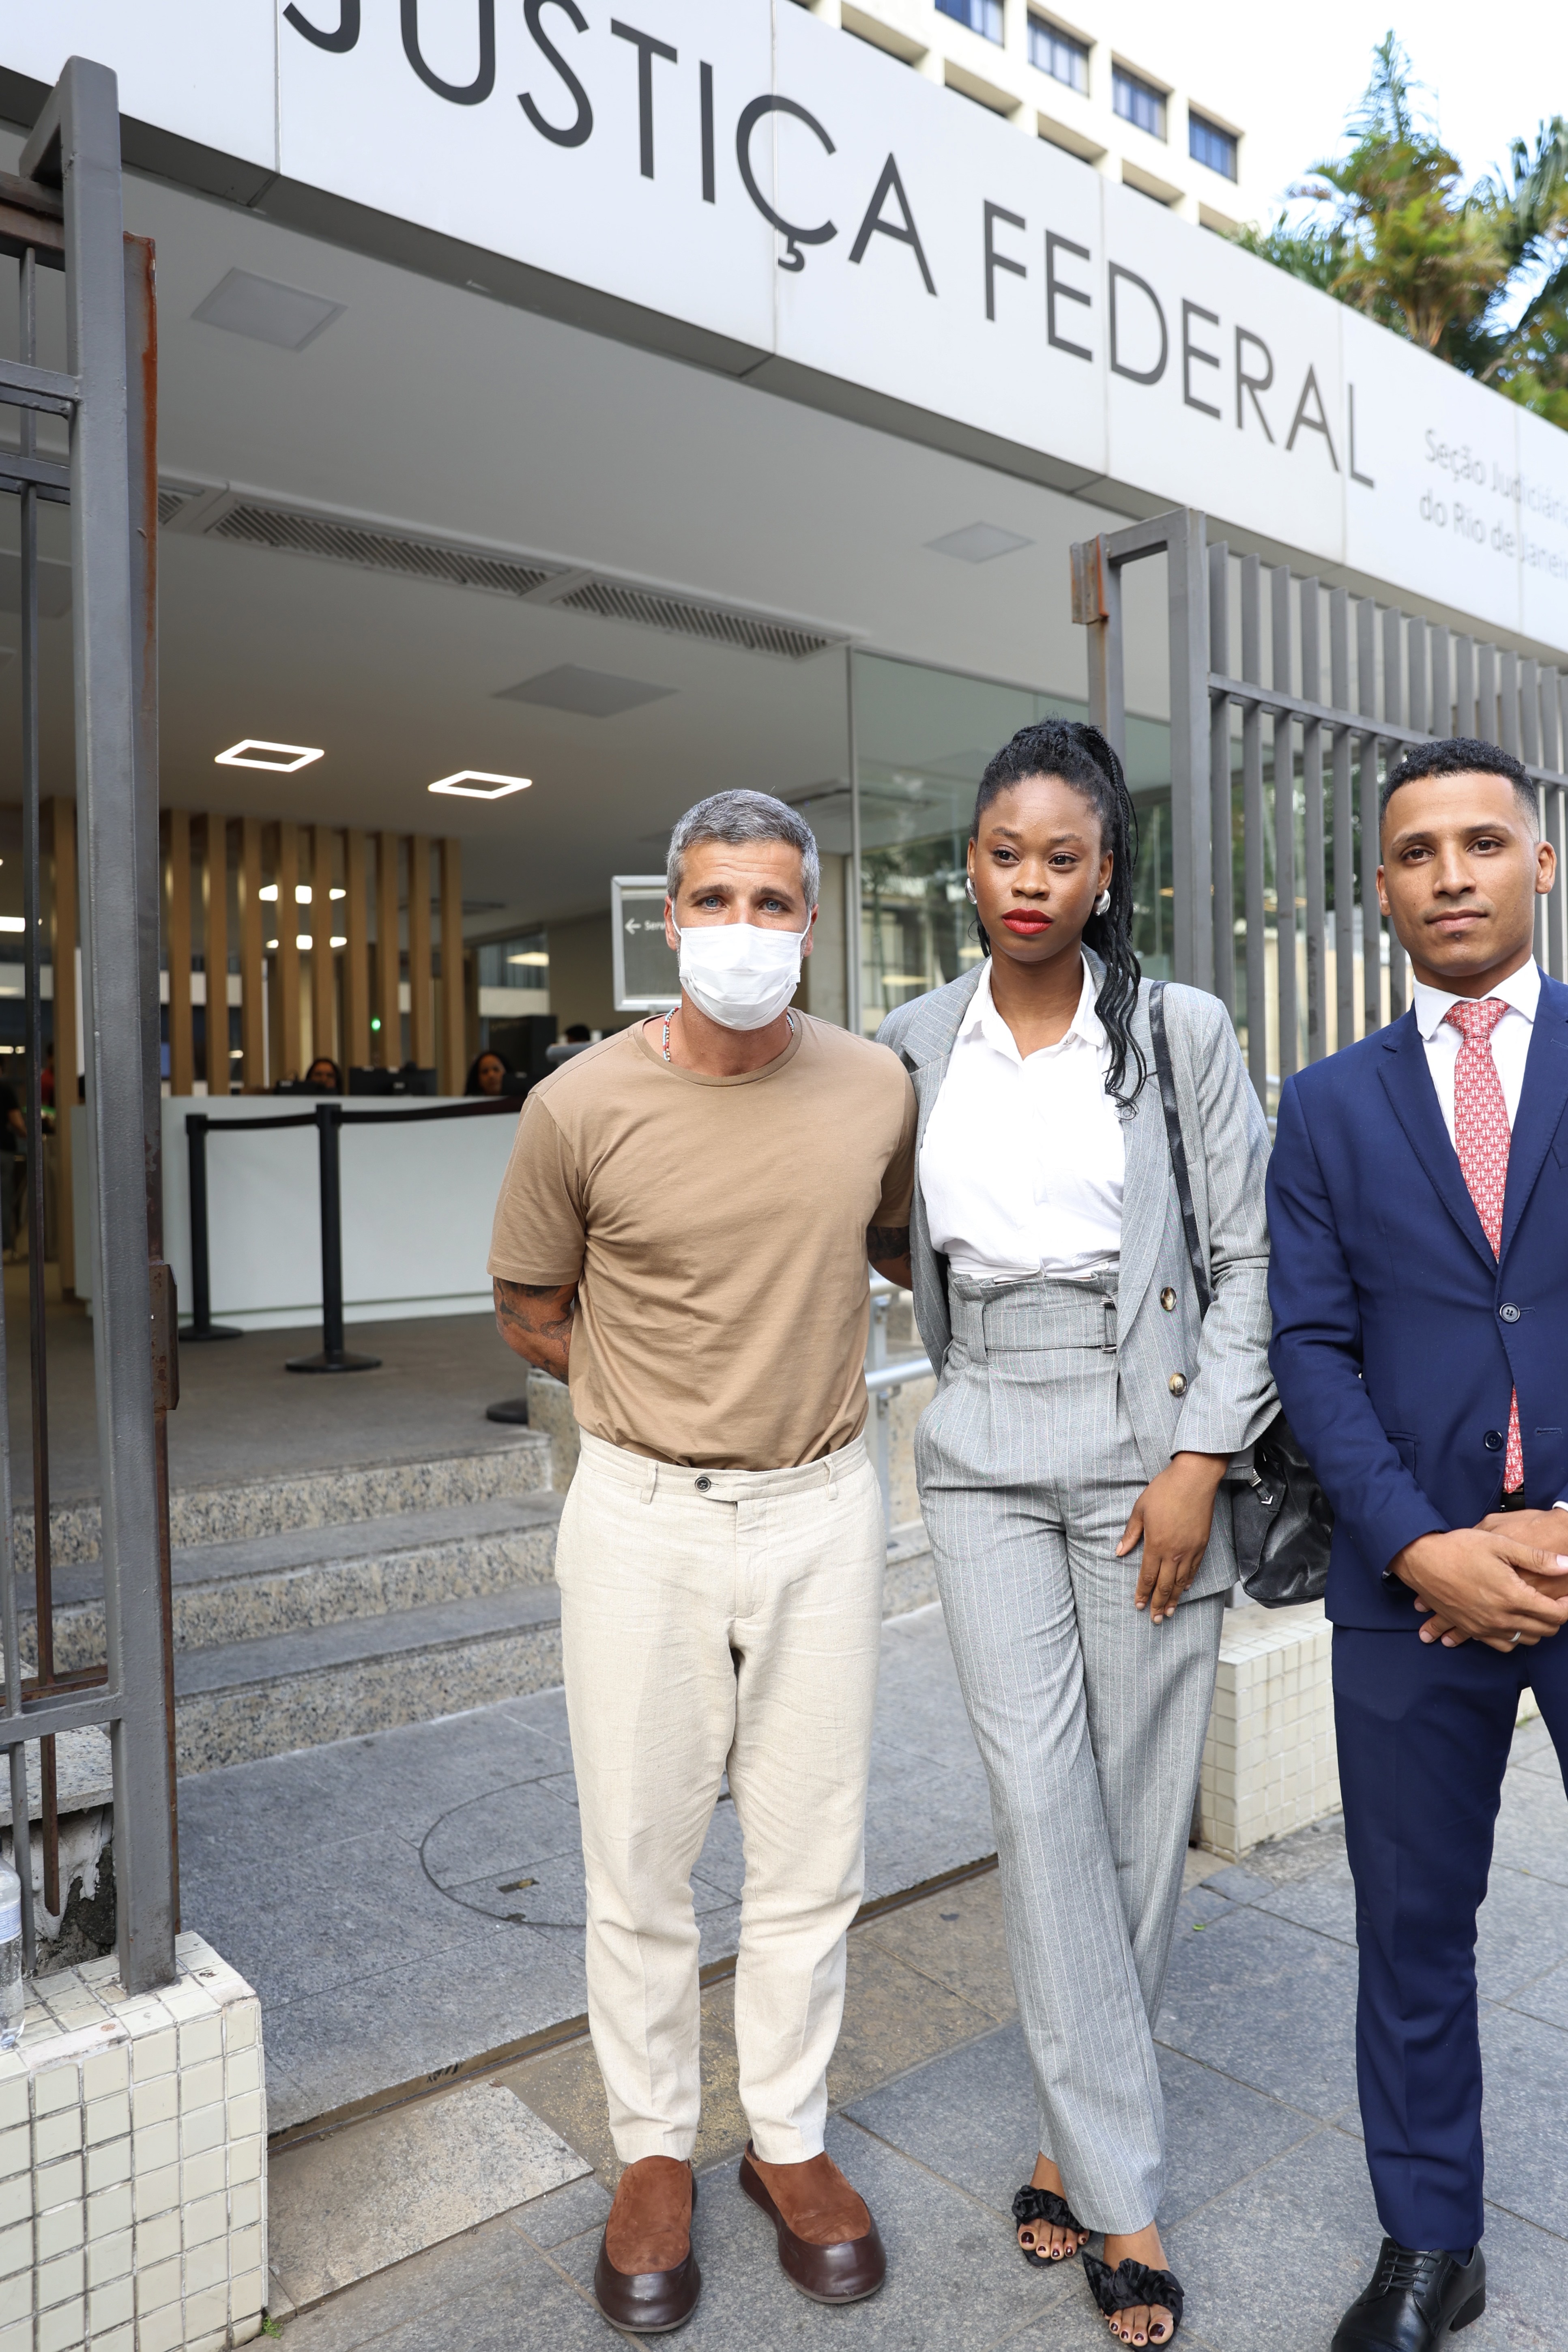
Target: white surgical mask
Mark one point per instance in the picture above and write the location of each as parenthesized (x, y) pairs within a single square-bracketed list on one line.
[(738, 974)]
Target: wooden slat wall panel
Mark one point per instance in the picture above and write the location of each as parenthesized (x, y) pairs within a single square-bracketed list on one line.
[(287, 1045), (214, 953), (181, 1041), (253, 1064), (323, 914), (64, 961), (389, 1002), (453, 1066), (356, 955), (421, 988)]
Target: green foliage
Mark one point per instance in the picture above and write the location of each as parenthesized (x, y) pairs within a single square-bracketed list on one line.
[(1397, 236)]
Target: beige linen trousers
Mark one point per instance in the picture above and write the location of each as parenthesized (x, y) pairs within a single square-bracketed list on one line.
[(711, 1622)]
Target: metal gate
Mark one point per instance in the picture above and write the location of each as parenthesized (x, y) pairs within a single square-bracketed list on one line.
[(64, 215), (1275, 835)]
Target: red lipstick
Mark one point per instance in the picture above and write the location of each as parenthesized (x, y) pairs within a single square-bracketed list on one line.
[(1026, 922)]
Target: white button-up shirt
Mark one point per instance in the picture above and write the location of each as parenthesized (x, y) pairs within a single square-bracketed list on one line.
[(1023, 1162), (1510, 1040)]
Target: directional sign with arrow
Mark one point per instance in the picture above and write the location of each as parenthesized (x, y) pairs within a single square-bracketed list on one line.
[(647, 975)]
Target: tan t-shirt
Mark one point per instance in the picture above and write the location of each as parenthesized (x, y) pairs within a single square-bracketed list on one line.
[(716, 1230)]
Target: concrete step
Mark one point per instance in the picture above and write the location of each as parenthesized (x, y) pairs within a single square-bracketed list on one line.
[(516, 1462), (242, 1700), (371, 1670), (304, 1577)]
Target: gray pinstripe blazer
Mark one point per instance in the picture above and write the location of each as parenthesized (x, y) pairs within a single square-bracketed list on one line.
[(1229, 1397)]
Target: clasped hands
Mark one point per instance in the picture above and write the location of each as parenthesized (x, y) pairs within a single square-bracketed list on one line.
[(1504, 1582)]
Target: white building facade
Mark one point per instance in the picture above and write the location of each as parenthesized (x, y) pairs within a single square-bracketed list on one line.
[(712, 392)]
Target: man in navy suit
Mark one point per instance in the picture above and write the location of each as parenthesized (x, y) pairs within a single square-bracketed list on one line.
[(1418, 1215)]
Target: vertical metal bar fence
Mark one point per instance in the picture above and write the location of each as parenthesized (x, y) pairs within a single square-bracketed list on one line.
[(1394, 678), (63, 212)]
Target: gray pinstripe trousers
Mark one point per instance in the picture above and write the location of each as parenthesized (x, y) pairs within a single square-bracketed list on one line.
[(1089, 1720)]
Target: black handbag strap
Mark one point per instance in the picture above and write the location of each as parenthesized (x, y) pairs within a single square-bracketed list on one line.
[(1171, 1109)]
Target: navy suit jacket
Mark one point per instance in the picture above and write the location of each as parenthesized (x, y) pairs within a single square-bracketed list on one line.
[(1397, 1336)]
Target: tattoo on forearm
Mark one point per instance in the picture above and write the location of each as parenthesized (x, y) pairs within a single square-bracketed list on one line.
[(889, 1241), (539, 1332)]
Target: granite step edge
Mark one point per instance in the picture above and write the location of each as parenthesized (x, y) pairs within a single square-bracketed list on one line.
[(342, 1700), (230, 1510), (236, 1667), (293, 1601), (243, 1726), (389, 1537)]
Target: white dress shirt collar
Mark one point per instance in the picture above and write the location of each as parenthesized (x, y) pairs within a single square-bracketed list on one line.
[(1521, 992), (984, 1022)]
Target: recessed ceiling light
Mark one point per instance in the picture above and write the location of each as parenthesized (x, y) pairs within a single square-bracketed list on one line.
[(337, 943), (303, 939), (253, 751), (476, 785), (533, 955), (337, 894), (13, 922), (978, 542), (270, 313)]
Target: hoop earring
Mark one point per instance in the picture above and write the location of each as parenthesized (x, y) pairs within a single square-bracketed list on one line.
[(1102, 904), (969, 889)]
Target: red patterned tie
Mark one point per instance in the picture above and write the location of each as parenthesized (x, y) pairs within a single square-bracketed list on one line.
[(1481, 1138)]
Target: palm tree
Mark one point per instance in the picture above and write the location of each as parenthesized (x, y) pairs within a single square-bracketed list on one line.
[(1400, 239)]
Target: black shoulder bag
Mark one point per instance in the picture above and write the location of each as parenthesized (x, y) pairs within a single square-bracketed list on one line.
[(1281, 1517)]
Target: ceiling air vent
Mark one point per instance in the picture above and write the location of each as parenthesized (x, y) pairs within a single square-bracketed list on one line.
[(250, 518), (718, 625), (258, 525)]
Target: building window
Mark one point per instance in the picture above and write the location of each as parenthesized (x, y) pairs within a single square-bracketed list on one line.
[(1058, 55), (1207, 143), (1137, 102), (983, 16)]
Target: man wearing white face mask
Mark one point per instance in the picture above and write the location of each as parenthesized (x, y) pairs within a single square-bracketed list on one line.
[(684, 1233)]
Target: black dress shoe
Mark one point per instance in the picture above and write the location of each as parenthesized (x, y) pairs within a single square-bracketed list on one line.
[(1413, 2302)]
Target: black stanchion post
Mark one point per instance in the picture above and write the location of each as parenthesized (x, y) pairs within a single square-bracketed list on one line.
[(202, 1326), (334, 1357)]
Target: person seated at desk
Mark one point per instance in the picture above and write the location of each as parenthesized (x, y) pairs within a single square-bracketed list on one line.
[(490, 1076), (324, 1073)]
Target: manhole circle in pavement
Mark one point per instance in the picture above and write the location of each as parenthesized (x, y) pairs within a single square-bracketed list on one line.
[(512, 1853)]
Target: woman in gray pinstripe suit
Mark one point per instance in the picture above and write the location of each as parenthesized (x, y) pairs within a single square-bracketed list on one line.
[(1070, 1464)]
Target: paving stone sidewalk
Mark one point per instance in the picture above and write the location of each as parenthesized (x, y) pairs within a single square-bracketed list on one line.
[(407, 1902), (1268, 2218)]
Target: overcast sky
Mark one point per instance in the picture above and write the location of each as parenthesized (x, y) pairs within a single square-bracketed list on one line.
[(1491, 73)]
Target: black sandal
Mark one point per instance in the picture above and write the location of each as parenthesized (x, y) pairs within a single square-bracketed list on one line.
[(1132, 2283), (1032, 2204)]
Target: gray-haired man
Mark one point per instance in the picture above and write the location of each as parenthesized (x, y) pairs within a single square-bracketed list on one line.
[(684, 1231)]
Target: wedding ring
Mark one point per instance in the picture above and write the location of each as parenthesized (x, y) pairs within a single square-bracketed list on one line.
[(1514, 1643)]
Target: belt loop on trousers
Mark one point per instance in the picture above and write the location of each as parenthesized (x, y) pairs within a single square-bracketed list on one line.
[(649, 1483), (832, 1480)]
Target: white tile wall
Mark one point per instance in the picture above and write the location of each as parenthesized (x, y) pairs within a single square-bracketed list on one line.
[(132, 2179), (1269, 1761)]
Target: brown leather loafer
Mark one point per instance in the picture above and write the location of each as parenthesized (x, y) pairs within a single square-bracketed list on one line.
[(646, 2277), (828, 2245)]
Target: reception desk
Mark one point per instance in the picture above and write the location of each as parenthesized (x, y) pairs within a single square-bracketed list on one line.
[(417, 1203)]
